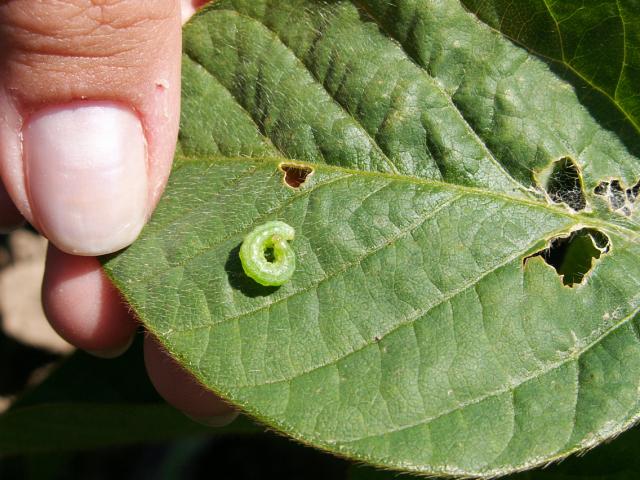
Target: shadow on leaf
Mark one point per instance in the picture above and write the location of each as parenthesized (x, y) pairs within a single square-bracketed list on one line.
[(239, 280)]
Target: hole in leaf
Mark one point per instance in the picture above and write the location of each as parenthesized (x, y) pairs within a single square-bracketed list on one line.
[(617, 195), (295, 174), (619, 198), (564, 184), (573, 256), (632, 192), (601, 188)]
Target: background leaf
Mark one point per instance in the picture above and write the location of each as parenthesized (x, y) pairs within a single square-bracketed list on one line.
[(596, 40), (420, 331), (89, 403)]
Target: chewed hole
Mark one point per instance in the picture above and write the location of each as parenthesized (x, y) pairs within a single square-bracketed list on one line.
[(620, 199), (601, 189), (573, 256), (618, 196), (295, 174), (564, 184), (632, 192)]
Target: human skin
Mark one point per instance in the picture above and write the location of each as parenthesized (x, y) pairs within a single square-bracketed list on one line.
[(89, 118)]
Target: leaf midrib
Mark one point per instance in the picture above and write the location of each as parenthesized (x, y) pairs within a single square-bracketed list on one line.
[(234, 233), (359, 5), (558, 209), (387, 176), (185, 160), (573, 356)]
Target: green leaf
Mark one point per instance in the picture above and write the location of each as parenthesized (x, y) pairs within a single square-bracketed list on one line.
[(422, 329), (88, 403), (83, 378), (617, 460), (77, 426), (598, 41)]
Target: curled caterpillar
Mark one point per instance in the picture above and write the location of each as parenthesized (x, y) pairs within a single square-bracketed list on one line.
[(266, 255)]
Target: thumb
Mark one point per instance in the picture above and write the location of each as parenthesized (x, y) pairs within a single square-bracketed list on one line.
[(89, 112)]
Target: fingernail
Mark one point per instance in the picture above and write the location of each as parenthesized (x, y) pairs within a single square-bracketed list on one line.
[(217, 421), (85, 168)]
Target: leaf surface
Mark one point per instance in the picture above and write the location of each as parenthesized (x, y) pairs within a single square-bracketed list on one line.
[(420, 331), (615, 460), (598, 41)]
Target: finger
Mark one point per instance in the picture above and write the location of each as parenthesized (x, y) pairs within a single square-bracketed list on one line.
[(181, 390), (89, 110), (189, 7), (83, 306)]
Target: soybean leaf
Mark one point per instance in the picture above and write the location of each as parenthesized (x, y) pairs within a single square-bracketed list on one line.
[(76, 426), (598, 41), (83, 378), (617, 460), (88, 403), (426, 327)]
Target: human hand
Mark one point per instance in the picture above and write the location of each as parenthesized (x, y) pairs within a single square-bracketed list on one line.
[(89, 113)]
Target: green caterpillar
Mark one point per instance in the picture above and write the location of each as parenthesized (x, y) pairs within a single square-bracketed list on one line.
[(266, 255)]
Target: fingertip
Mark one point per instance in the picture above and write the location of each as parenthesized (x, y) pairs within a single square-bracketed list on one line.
[(74, 124), (181, 390), (189, 7), (83, 306), (86, 174), (217, 421), (112, 353)]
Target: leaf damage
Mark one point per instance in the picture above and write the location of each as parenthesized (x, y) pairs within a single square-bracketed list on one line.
[(619, 198), (562, 181), (405, 269), (295, 174), (574, 255)]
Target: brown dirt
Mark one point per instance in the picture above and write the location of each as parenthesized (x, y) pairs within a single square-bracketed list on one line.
[(20, 306), (21, 316)]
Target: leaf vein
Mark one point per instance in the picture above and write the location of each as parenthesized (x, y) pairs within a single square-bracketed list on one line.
[(313, 286), (335, 100), (259, 127), (241, 228), (509, 388), (361, 5), (416, 316)]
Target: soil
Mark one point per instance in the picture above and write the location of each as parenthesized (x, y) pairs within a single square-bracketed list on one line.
[(27, 341)]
